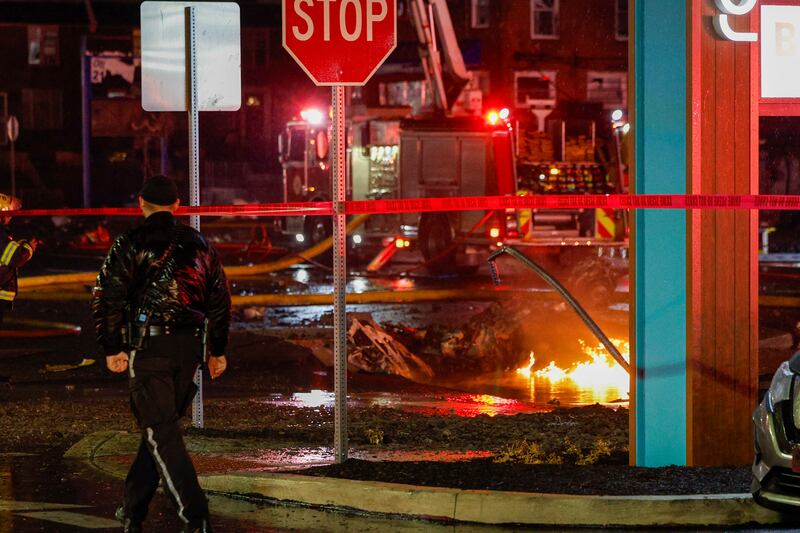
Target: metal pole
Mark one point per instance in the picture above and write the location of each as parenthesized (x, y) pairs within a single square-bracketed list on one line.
[(339, 275), (86, 126), (553, 282), (194, 170), (13, 171)]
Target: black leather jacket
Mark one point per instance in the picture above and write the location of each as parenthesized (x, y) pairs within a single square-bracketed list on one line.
[(191, 286)]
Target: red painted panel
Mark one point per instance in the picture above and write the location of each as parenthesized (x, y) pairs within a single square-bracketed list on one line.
[(723, 325)]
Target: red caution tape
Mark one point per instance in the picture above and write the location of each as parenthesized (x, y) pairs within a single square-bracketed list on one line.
[(577, 201), (471, 203), (260, 210)]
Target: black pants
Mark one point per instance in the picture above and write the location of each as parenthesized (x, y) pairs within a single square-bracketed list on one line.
[(161, 390)]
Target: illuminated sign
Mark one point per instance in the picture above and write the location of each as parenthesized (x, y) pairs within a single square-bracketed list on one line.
[(733, 8), (780, 51)]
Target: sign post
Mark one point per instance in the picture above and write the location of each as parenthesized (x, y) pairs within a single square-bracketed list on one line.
[(194, 170), (182, 43), (340, 45), (12, 132), (339, 176)]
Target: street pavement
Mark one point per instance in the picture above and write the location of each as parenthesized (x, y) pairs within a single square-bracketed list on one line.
[(41, 492)]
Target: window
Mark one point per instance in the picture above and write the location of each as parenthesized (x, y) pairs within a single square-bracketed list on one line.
[(621, 20), (534, 88), (357, 95), (42, 109), (608, 88), (297, 145), (415, 94), (480, 14), (43, 45), (544, 19), (255, 48)]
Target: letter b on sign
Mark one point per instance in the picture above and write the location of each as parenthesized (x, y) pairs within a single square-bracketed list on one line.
[(785, 35), (340, 42)]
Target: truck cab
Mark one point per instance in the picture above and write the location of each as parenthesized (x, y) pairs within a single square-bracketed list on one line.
[(372, 170)]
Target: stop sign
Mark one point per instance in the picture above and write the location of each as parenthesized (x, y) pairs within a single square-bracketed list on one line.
[(340, 42)]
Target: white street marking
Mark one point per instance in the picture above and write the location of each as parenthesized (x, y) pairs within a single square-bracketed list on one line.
[(10, 505), (73, 519)]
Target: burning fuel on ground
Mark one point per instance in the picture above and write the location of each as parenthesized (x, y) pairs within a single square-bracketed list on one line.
[(598, 379)]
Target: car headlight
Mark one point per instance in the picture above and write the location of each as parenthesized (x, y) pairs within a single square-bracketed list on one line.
[(781, 386)]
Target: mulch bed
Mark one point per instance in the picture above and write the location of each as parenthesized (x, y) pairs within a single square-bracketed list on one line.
[(607, 479)]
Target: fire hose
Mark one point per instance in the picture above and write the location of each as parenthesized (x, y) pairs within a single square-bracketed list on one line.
[(553, 282), (294, 258), (84, 278), (363, 298)]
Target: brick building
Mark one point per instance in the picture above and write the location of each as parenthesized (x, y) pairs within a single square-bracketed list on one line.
[(523, 54), (529, 53)]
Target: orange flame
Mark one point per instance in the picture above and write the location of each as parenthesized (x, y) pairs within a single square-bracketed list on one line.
[(600, 374), (526, 370), (552, 373)]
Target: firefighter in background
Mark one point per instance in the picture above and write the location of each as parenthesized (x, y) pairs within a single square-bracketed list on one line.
[(13, 255), (162, 282)]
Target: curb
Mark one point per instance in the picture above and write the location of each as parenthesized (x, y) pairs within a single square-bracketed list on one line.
[(496, 507), (471, 506)]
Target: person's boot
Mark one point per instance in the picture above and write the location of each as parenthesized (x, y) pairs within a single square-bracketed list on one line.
[(128, 524)]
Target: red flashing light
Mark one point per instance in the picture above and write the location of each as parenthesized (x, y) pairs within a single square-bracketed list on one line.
[(492, 118)]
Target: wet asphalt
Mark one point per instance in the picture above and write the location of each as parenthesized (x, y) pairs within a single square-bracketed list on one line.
[(41, 492)]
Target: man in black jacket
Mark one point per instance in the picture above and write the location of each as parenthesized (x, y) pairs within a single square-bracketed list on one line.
[(13, 255), (158, 286)]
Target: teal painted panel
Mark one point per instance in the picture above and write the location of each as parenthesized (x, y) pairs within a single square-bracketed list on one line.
[(661, 145)]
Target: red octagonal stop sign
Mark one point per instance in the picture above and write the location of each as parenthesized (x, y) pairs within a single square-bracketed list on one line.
[(340, 42)]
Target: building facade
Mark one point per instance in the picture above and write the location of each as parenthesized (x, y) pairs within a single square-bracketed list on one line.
[(523, 54)]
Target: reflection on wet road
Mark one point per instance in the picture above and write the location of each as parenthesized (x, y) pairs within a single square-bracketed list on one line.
[(41, 493), (460, 404)]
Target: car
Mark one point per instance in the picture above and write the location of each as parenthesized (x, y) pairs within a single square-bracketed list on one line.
[(776, 431)]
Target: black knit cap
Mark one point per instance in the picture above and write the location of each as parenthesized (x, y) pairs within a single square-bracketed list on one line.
[(159, 190)]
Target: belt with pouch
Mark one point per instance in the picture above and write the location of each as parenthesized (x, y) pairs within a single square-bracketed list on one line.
[(159, 330)]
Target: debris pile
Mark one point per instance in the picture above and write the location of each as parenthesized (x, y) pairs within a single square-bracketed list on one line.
[(491, 340), (370, 348)]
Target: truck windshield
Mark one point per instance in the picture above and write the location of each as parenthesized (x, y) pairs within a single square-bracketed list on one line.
[(297, 145)]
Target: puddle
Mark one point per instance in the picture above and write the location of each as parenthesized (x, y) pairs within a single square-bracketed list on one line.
[(460, 404)]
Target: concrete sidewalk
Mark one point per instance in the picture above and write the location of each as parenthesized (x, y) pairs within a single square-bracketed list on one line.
[(247, 467)]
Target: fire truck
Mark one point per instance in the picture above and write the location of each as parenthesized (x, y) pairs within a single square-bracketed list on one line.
[(393, 155)]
